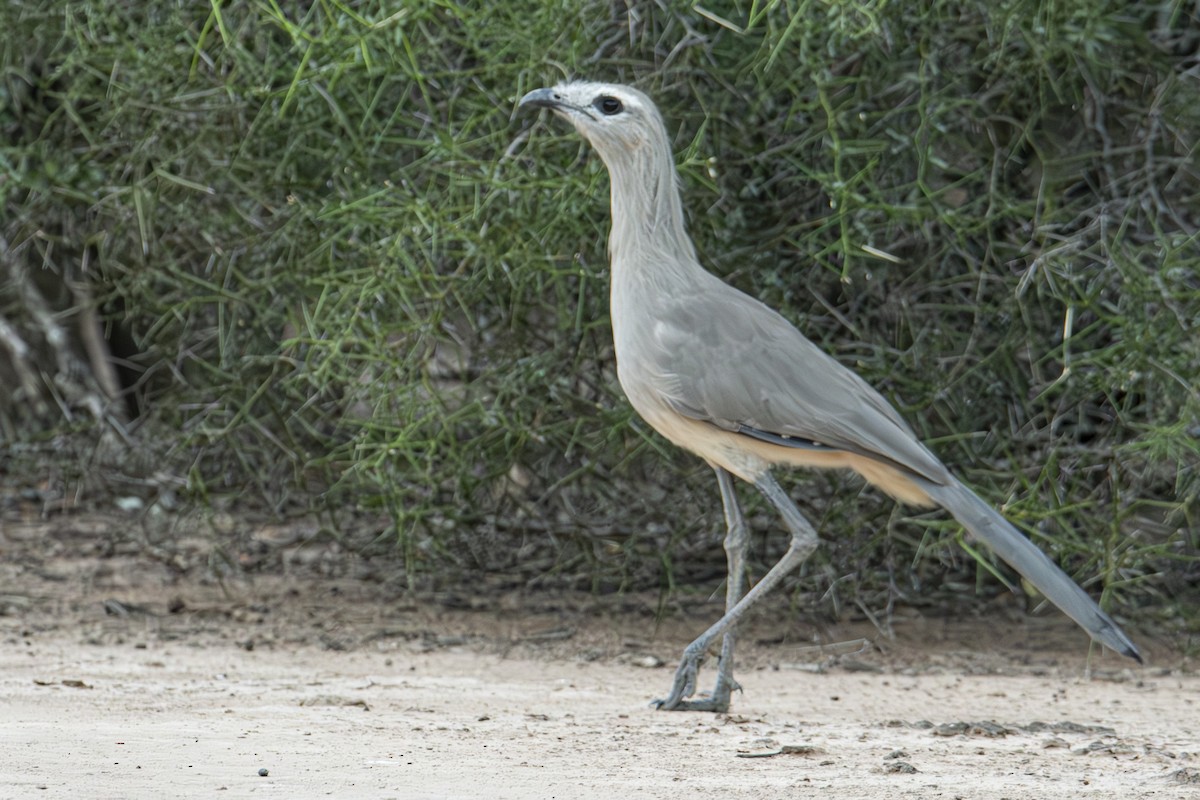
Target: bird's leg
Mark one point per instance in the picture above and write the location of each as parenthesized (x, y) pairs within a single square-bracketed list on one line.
[(804, 541), (736, 538)]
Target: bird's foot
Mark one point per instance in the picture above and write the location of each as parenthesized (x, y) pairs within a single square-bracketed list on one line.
[(717, 702), (685, 682), (685, 686)]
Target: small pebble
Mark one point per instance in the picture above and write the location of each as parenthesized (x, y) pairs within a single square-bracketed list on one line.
[(262, 773), (902, 767)]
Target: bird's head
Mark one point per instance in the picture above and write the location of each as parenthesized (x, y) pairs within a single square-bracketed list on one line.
[(617, 120)]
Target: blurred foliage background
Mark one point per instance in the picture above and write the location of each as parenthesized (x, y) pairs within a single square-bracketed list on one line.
[(301, 260)]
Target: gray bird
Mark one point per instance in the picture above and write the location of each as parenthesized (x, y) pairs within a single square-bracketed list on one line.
[(720, 374)]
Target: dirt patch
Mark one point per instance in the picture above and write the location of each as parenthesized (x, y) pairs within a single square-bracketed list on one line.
[(126, 674)]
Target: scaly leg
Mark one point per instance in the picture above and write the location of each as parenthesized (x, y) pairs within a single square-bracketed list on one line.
[(736, 539), (804, 541)]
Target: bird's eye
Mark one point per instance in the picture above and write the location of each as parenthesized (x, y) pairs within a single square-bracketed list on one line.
[(608, 105)]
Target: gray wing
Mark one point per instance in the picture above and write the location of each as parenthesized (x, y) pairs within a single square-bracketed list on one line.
[(726, 358)]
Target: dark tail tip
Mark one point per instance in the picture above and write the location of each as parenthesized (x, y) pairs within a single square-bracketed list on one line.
[(1117, 640)]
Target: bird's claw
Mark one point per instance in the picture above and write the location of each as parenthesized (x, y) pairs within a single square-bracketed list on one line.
[(714, 704), (684, 685)]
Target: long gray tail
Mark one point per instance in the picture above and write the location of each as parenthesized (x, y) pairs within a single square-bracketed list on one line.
[(986, 524)]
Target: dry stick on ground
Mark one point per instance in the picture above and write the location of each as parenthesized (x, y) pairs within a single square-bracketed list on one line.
[(722, 375)]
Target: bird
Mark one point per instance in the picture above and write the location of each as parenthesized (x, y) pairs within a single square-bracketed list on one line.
[(720, 374)]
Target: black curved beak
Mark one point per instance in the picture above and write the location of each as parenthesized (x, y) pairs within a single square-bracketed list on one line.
[(540, 98)]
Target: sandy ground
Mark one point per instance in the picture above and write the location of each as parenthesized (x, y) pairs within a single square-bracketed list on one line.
[(121, 677)]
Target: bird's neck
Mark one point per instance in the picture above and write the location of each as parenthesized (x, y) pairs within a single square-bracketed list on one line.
[(647, 215)]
